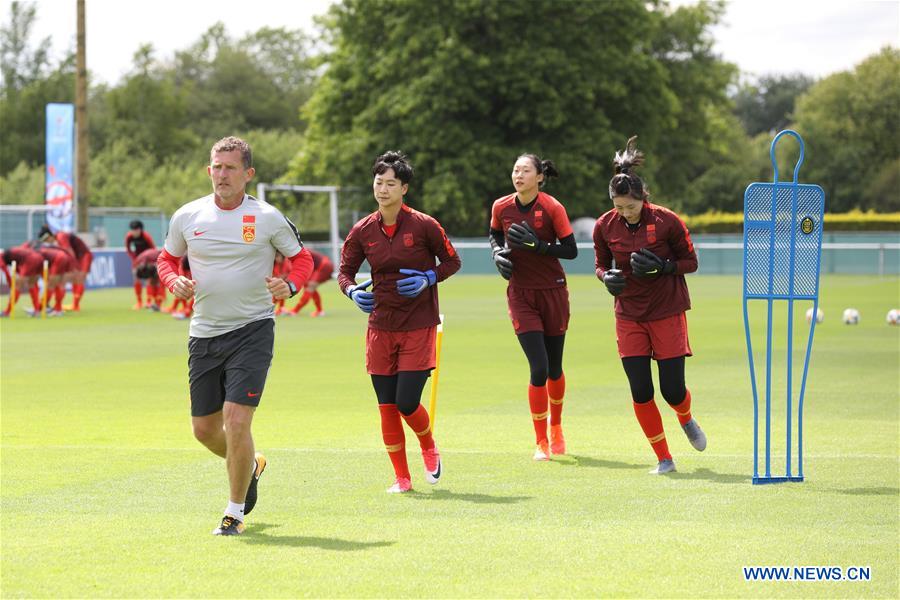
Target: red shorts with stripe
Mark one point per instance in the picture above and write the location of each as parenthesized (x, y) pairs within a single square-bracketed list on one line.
[(539, 310), (661, 339), (62, 264), (84, 263), (323, 273), (388, 352)]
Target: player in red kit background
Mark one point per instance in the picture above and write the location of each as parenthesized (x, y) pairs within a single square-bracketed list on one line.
[(652, 250), (322, 270), (83, 259), (401, 245), (29, 268), (145, 270), (136, 241), (525, 227)]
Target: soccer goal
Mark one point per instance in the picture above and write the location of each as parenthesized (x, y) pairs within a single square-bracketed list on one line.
[(313, 208)]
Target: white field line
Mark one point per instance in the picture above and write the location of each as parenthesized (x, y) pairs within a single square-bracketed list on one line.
[(806, 455)]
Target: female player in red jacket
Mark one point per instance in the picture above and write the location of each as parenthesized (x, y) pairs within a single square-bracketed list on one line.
[(400, 245), (652, 250), (525, 227)]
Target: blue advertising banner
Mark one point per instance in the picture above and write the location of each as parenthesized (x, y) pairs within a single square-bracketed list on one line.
[(110, 268), (59, 179)]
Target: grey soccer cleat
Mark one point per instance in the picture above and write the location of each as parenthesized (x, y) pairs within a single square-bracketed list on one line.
[(664, 466), (695, 435)]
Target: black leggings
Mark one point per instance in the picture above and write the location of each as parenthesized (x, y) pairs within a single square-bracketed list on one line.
[(544, 354), (403, 389), (671, 378)]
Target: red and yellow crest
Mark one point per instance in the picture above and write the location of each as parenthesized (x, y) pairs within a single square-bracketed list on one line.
[(408, 240), (249, 228)]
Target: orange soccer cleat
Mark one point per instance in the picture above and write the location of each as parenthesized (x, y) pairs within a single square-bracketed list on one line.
[(318, 313), (432, 460), (137, 306), (557, 441), (542, 452)]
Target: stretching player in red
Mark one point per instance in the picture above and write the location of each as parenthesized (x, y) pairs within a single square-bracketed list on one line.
[(61, 267), (401, 245), (652, 250), (136, 241), (83, 260), (281, 269), (525, 227), (145, 270), (322, 270), (29, 268)]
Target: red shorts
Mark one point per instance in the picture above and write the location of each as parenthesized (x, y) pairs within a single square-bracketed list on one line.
[(661, 339), (62, 265), (538, 310), (323, 273), (388, 352), (84, 263)]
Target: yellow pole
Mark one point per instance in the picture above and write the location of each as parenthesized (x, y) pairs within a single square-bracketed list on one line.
[(12, 290), (44, 295), (432, 405)]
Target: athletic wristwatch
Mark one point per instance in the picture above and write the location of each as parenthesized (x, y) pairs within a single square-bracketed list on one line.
[(292, 287)]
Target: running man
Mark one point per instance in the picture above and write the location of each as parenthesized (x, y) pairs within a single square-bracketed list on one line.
[(231, 239)]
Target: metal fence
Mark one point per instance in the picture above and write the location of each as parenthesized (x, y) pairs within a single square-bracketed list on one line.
[(108, 225)]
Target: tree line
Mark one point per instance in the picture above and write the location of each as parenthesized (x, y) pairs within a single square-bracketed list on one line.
[(462, 86)]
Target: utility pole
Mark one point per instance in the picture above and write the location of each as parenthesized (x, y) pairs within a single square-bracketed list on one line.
[(81, 124)]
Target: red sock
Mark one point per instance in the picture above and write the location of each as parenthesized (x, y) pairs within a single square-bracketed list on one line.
[(683, 410), (648, 416), (137, 290), (279, 304), (160, 294), (77, 293), (303, 300), (317, 300), (421, 425), (394, 438), (537, 400), (35, 297), (189, 307), (556, 390), (59, 294), (151, 293)]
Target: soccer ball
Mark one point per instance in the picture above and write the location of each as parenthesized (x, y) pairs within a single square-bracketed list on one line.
[(893, 317), (850, 316), (820, 315)]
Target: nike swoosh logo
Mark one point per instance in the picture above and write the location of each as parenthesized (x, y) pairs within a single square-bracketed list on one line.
[(198, 232), (252, 395), (372, 244), (437, 474), (531, 244)]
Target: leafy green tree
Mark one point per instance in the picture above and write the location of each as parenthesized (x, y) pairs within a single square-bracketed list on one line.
[(850, 122), (464, 86), (767, 105), (29, 82)]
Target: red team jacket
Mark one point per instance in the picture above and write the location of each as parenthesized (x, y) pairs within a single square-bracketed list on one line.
[(416, 241), (134, 245), (664, 234), (550, 222)]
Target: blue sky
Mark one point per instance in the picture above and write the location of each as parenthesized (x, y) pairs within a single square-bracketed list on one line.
[(815, 37)]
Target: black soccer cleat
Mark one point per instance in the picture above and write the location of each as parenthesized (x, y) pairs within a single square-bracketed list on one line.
[(250, 500), (229, 526)]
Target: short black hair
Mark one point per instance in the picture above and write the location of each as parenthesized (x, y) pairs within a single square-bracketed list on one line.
[(396, 160), (45, 230), (136, 224)]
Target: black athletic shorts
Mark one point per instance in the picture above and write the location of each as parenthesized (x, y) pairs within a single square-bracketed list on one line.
[(230, 367)]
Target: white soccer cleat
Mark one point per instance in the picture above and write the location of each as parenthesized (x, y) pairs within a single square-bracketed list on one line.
[(401, 486), (664, 466), (542, 452), (695, 435)]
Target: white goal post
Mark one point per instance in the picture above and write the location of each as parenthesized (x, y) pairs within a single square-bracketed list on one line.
[(332, 191)]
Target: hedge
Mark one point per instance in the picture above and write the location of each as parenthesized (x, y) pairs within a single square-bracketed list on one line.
[(717, 222)]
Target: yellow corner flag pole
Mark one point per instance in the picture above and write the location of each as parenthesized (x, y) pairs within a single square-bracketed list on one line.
[(12, 289), (432, 405), (44, 295)]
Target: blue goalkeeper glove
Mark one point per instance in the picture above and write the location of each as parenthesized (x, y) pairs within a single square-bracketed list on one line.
[(417, 281), (363, 299)]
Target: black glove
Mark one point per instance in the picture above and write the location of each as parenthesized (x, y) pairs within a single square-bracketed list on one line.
[(501, 260), (614, 281), (646, 264), (523, 237)]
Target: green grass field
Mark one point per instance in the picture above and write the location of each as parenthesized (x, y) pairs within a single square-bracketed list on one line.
[(105, 493)]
